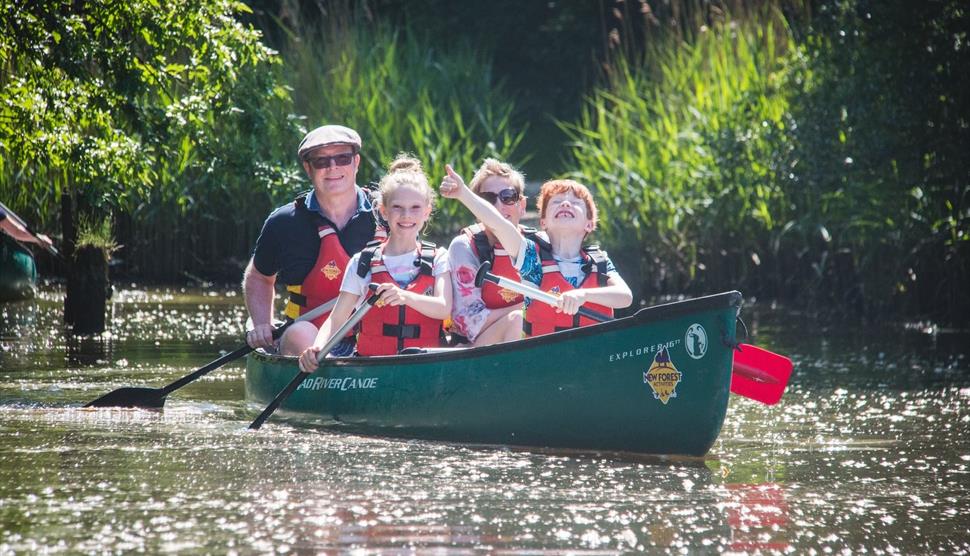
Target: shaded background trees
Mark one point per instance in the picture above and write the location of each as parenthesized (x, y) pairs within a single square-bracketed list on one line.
[(813, 152)]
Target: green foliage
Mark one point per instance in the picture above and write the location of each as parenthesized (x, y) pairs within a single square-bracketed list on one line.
[(154, 110), (829, 170), (401, 94), (882, 147), (682, 151)]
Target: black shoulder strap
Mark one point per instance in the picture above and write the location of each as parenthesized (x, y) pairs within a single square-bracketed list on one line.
[(426, 258), (482, 247), (299, 203), (595, 255), (366, 256), (545, 248)]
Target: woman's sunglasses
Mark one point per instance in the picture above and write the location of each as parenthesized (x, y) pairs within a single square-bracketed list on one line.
[(507, 196), (321, 162)]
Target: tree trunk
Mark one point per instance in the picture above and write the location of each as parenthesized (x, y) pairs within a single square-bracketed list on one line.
[(87, 291), (69, 232)]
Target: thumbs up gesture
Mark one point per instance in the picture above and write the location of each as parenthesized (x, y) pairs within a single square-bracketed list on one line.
[(451, 185)]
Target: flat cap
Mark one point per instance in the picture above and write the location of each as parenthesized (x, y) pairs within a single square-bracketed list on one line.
[(328, 135)]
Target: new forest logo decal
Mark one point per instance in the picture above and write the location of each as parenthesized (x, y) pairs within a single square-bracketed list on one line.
[(331, 271), (663, 377)]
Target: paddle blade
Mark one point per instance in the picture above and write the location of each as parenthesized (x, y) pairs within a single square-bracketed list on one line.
[(148, 398), (760, 374)]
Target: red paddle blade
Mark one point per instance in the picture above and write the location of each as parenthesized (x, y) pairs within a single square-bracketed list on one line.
[(760, 374)]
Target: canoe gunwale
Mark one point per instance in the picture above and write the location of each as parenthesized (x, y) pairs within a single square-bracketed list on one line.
[(655, 312)]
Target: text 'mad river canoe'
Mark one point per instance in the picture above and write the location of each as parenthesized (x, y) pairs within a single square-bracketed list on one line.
[(656, 382)]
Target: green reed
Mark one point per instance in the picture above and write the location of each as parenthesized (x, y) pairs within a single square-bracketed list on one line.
[(403, 95), (828, 171), (680, 147)]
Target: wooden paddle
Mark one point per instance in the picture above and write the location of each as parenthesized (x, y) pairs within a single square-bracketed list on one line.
[(154, 398), (301, 376), (758, 373)]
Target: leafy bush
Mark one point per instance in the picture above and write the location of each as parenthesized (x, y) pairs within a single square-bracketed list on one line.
[(158, 113)]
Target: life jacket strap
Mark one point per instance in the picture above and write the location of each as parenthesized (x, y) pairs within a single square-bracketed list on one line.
[(482, 248), (297, 298), (596, 256), (294, 302), (527, 326), (402, 331), (366, 256)]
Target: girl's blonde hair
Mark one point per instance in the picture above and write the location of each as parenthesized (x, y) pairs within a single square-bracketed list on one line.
[(555, 187), (492, 167), (405, 171)]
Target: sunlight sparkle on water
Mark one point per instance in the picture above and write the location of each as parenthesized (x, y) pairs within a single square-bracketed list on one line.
[(868, 450)]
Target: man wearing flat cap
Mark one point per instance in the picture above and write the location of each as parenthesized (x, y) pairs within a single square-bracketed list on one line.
[(306, 244)]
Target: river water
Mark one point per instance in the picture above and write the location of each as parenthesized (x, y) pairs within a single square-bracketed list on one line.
[(868, 451)]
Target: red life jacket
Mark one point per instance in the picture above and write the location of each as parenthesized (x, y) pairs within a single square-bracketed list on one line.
[(493, 296), (542, 318), (386, 330), (322, 283)]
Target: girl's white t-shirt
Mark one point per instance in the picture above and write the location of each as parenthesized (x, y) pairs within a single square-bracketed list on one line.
[(400, 267)]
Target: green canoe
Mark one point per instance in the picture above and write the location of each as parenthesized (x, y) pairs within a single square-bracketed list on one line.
[(18, 275), (656, 382)]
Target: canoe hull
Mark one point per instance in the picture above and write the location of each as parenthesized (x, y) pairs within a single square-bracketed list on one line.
[(18, 274), (585, 389)]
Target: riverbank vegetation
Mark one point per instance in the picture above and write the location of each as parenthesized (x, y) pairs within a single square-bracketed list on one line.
[(812, 152), (824, 165)]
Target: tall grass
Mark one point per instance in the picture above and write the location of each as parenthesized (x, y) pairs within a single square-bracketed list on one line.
[(682, 149), (829, 172), (402, 94)]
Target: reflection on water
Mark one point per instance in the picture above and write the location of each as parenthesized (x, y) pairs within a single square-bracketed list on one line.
[(758, 517), (869, 449)]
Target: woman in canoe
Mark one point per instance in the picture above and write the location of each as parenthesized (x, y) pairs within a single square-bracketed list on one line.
[(414, 277), (578, 275), (488, 314)]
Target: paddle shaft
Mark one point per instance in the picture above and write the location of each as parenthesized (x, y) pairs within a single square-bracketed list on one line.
[(335, 338), (539, 295), (246, 348), (13, 216), (155, 397)]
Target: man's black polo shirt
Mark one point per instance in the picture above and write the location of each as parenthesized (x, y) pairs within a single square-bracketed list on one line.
[(288, 244)]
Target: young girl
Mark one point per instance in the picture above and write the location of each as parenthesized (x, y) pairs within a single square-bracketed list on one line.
[(414, 278), (578, 275)]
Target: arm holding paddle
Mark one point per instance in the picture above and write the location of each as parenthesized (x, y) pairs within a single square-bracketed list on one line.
[(351, 320), (309, 359), (437, 306), (259, 292), (21, 234), (453, 187), (615, 294)]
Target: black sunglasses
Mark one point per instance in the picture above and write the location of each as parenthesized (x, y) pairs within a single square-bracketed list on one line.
[(321, 162), (507, 196)]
